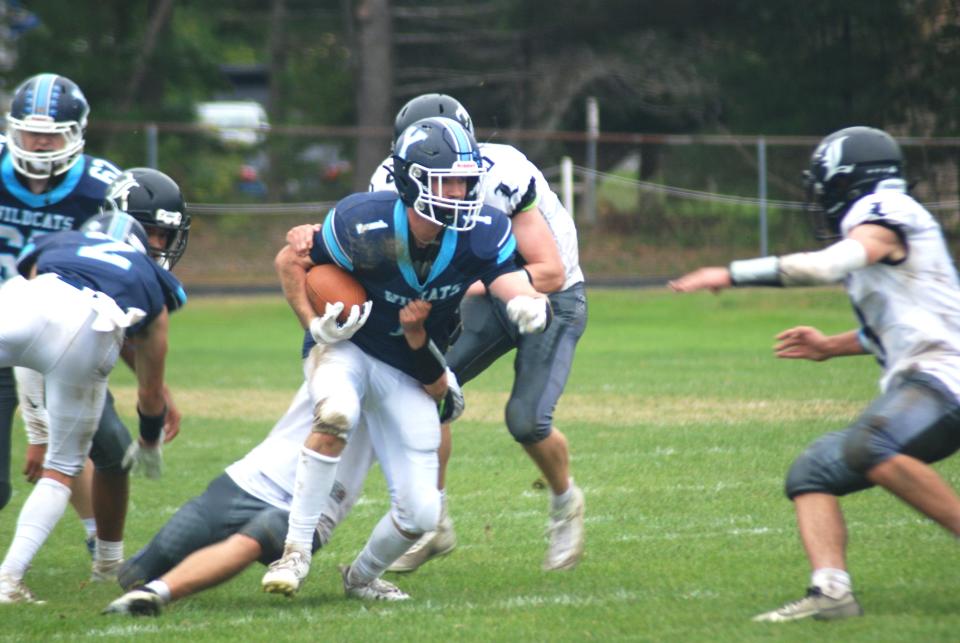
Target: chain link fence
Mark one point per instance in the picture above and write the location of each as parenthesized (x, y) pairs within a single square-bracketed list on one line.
[(662, 204)]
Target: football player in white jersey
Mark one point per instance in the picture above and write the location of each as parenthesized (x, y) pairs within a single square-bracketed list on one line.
[(891, 255), (547, 242)]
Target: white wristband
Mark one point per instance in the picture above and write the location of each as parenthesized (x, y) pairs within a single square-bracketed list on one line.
[(764, 271)]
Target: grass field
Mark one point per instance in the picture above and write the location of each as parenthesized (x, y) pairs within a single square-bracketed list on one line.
[(681, 426)]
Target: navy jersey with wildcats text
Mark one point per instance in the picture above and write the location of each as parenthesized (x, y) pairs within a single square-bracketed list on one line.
[(25, 216), (368, 235), (94, 260)]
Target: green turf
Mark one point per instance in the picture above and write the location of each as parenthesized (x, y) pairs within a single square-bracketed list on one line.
[(681, 426)]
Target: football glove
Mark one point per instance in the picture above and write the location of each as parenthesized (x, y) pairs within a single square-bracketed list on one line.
[(451, 406), (144, 460), (530, 314), (327, 330)]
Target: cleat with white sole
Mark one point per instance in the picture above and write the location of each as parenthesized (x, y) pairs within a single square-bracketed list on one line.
[(816, 605), (376, 590), (565, 533), (13, 590), (285, 576), (137, 602), (431, 545), (105, 570)]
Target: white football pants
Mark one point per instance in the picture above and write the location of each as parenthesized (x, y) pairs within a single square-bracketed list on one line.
[(401, 421), (48, 325)]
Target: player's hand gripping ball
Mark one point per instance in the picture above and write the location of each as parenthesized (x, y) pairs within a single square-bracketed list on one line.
[(339, 301)]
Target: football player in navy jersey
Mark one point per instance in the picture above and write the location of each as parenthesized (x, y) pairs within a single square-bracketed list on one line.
[(79, 294), (47, 184), (415, 256), (548, 248)]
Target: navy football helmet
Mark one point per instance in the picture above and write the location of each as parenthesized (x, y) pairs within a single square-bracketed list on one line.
[(428, 106), (430, 152), (46, 104), (118, 226), (847, 165), (155, 200)]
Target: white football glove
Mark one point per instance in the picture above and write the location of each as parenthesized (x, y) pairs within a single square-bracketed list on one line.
[(530, 314), (451, 406), (143, 460), (327, 330)]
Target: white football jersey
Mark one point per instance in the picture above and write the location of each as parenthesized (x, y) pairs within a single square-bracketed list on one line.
[(909, 310), (513, 184), (267, 472)]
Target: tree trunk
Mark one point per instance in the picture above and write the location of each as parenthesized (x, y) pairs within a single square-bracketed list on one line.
[(374, 87), (277, 44)]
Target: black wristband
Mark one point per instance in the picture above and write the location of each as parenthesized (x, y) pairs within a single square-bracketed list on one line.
[(428, 366), (151, 425)]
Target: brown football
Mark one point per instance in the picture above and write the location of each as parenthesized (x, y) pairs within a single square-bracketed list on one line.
[(328, 283)]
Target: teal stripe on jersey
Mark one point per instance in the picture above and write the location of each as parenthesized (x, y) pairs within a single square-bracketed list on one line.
[(332, 245)]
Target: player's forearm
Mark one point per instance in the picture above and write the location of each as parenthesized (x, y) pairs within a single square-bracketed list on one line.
[(292, 271), (844, 344), (546, 276)]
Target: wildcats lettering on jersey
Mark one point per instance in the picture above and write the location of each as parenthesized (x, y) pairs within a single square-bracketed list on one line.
[(25, 216), (431, 295), (45, 220)]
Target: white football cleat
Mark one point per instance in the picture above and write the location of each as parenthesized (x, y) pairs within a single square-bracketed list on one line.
[(14, 591), (565, 532), (430, 545), (376, 590), (285, 576), (105, 570), (137, 602), (816, 605)]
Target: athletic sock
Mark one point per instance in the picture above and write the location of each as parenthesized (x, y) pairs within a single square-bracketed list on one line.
[(557, 502), (315, 476), (835, 583), (386, 545), (90, 526), (39, 515), (159, 588), (108, 550)]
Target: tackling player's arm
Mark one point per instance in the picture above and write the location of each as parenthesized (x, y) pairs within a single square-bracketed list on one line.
[(538, 247), (292, 270), (300, 237)]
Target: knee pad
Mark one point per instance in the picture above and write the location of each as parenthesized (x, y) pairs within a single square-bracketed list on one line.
[(418, 511), (867, 444), (524, 424), (821, 468), (336, 415), (803, 476)]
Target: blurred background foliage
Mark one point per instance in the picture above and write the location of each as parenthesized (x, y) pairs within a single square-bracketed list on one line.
[(332, 74)]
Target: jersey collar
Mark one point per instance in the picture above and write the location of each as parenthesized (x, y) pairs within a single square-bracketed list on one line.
[(9, 177), (447, 247)]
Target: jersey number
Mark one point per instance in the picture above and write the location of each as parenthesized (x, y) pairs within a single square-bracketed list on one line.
[(105, 252)]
